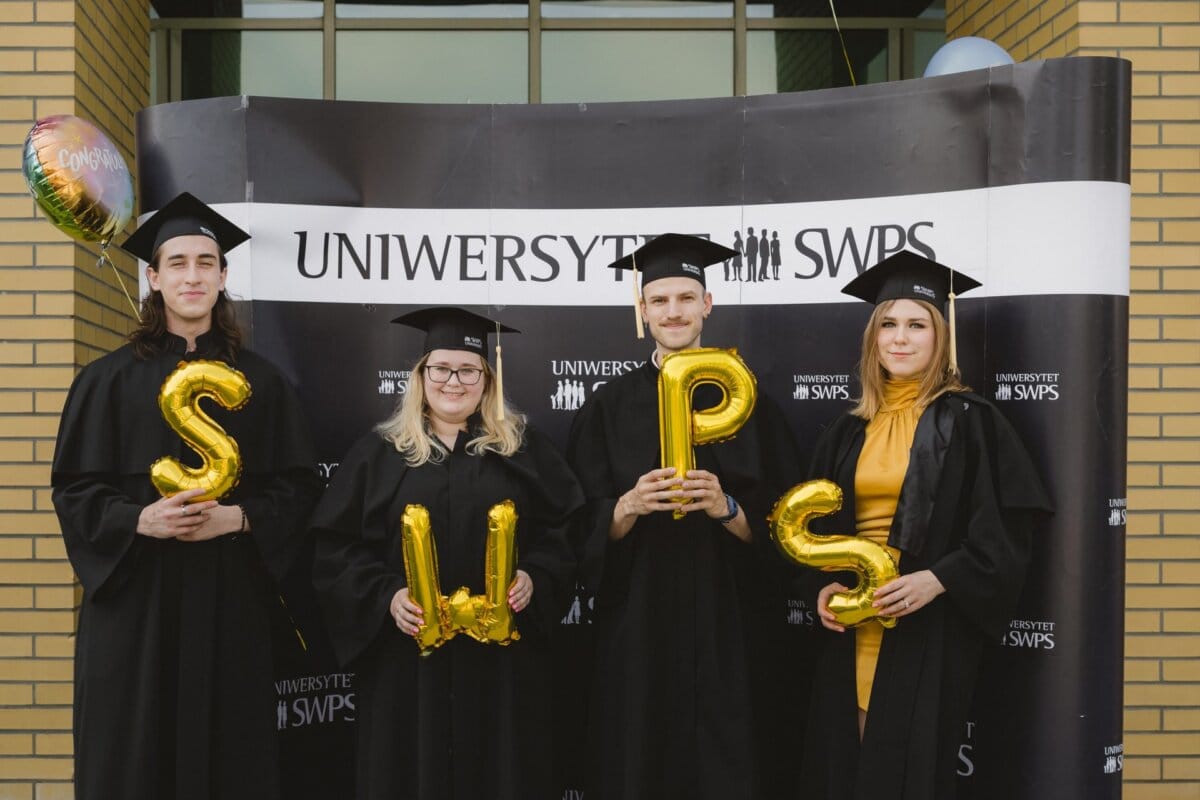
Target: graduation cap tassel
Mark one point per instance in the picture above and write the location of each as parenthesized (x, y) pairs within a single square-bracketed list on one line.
[(499, 378), (953, 338), (637, 301)]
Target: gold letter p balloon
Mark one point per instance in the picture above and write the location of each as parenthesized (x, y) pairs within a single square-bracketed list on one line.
[(679, 427), (874, 565), (179, 401)]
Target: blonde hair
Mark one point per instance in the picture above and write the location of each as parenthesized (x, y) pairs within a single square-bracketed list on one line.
[(935, 381), (408, 428)]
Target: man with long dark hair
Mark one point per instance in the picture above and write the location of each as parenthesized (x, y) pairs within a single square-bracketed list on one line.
[(173, 684)]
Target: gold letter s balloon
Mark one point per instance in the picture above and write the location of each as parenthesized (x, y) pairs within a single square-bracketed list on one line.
[(484, 617), (179, 400), (874, 565), (679, 427)]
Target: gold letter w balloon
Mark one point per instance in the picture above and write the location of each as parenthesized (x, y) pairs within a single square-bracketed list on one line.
[(484, 617), (179, 401), (679, 427), (874, 565)]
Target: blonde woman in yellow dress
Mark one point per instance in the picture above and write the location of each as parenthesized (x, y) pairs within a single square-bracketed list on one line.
[(935, 474)]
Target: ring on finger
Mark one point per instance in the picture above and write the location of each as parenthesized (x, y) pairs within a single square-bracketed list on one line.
[(906, 604)]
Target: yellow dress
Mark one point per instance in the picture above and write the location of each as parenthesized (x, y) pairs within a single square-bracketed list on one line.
[(877, 482)]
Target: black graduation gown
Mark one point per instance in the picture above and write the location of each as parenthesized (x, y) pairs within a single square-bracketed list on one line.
[(173, 691), (468, 721), (968, 505), (678, 605)]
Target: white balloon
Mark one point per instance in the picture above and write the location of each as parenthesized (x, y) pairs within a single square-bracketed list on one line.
[(967, 53)]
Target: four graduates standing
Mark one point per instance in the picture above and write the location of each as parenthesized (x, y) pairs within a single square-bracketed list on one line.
[(173, 685)]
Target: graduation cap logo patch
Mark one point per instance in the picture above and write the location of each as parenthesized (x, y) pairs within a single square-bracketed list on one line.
[(692, 269), (473, 342), (924, 290)]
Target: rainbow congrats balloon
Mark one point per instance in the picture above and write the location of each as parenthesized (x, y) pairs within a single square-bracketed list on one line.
[(78, 177)]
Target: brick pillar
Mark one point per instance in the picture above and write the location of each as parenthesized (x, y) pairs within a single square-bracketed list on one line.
[(57, 312), (1162, 621)]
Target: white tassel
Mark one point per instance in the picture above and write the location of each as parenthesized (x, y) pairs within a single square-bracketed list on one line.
[(637, 301), (953, 339), (499, 378)]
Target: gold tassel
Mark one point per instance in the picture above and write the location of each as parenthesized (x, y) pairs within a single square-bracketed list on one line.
[(637, 301), (499, 378), (953, 339)]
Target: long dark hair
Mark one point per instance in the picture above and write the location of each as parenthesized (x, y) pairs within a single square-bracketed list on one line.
[(149, 339)]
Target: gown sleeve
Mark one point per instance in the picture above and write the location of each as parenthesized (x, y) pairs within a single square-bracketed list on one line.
[(984, 575), (98, 519), (353, 582), (587, 454), (546, 553), (279, 505)]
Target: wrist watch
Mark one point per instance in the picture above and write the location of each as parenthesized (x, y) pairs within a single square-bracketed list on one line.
[(732, 512)]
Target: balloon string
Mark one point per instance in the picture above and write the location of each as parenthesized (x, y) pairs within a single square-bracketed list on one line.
[(846, 55), (117, 273)]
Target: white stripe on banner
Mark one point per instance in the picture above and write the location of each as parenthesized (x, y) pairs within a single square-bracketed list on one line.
[(1039, 238)]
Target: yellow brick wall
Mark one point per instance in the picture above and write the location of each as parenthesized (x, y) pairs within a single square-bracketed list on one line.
[(1162, 621), (57, 312)]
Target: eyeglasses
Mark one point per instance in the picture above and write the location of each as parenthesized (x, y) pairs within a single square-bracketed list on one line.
[(467, 376)]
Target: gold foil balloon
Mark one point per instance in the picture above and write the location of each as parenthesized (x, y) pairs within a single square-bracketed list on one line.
[(789, 528), (679, 427), (421, 571), (179, 400), (484, 617), (78, 178)]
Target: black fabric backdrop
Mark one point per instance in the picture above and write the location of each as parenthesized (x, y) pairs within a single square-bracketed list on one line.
[(1048, 717)]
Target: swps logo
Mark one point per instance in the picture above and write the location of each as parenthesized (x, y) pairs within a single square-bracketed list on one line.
[(392, 381), (821, 387), (1034, 634), (314, 700), (1027, 386), (1114, 759), (1116, 512), (577, 379)]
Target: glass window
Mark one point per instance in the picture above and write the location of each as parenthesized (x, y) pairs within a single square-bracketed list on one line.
[(596, 66), (636, 9), (433, 66), (154, 45), (401, 9), (925, 44), (795, 61), (270, 63), (847, 13), (239, 9)]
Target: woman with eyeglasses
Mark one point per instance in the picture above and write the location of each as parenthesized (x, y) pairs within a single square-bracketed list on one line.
[(466, 719)]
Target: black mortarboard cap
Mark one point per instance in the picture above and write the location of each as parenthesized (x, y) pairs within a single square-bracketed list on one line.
[(674, 255), (907, 275), (183, 216), (450, 328)]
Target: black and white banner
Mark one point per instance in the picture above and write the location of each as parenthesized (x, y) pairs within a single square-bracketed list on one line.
[(1018, 176)]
